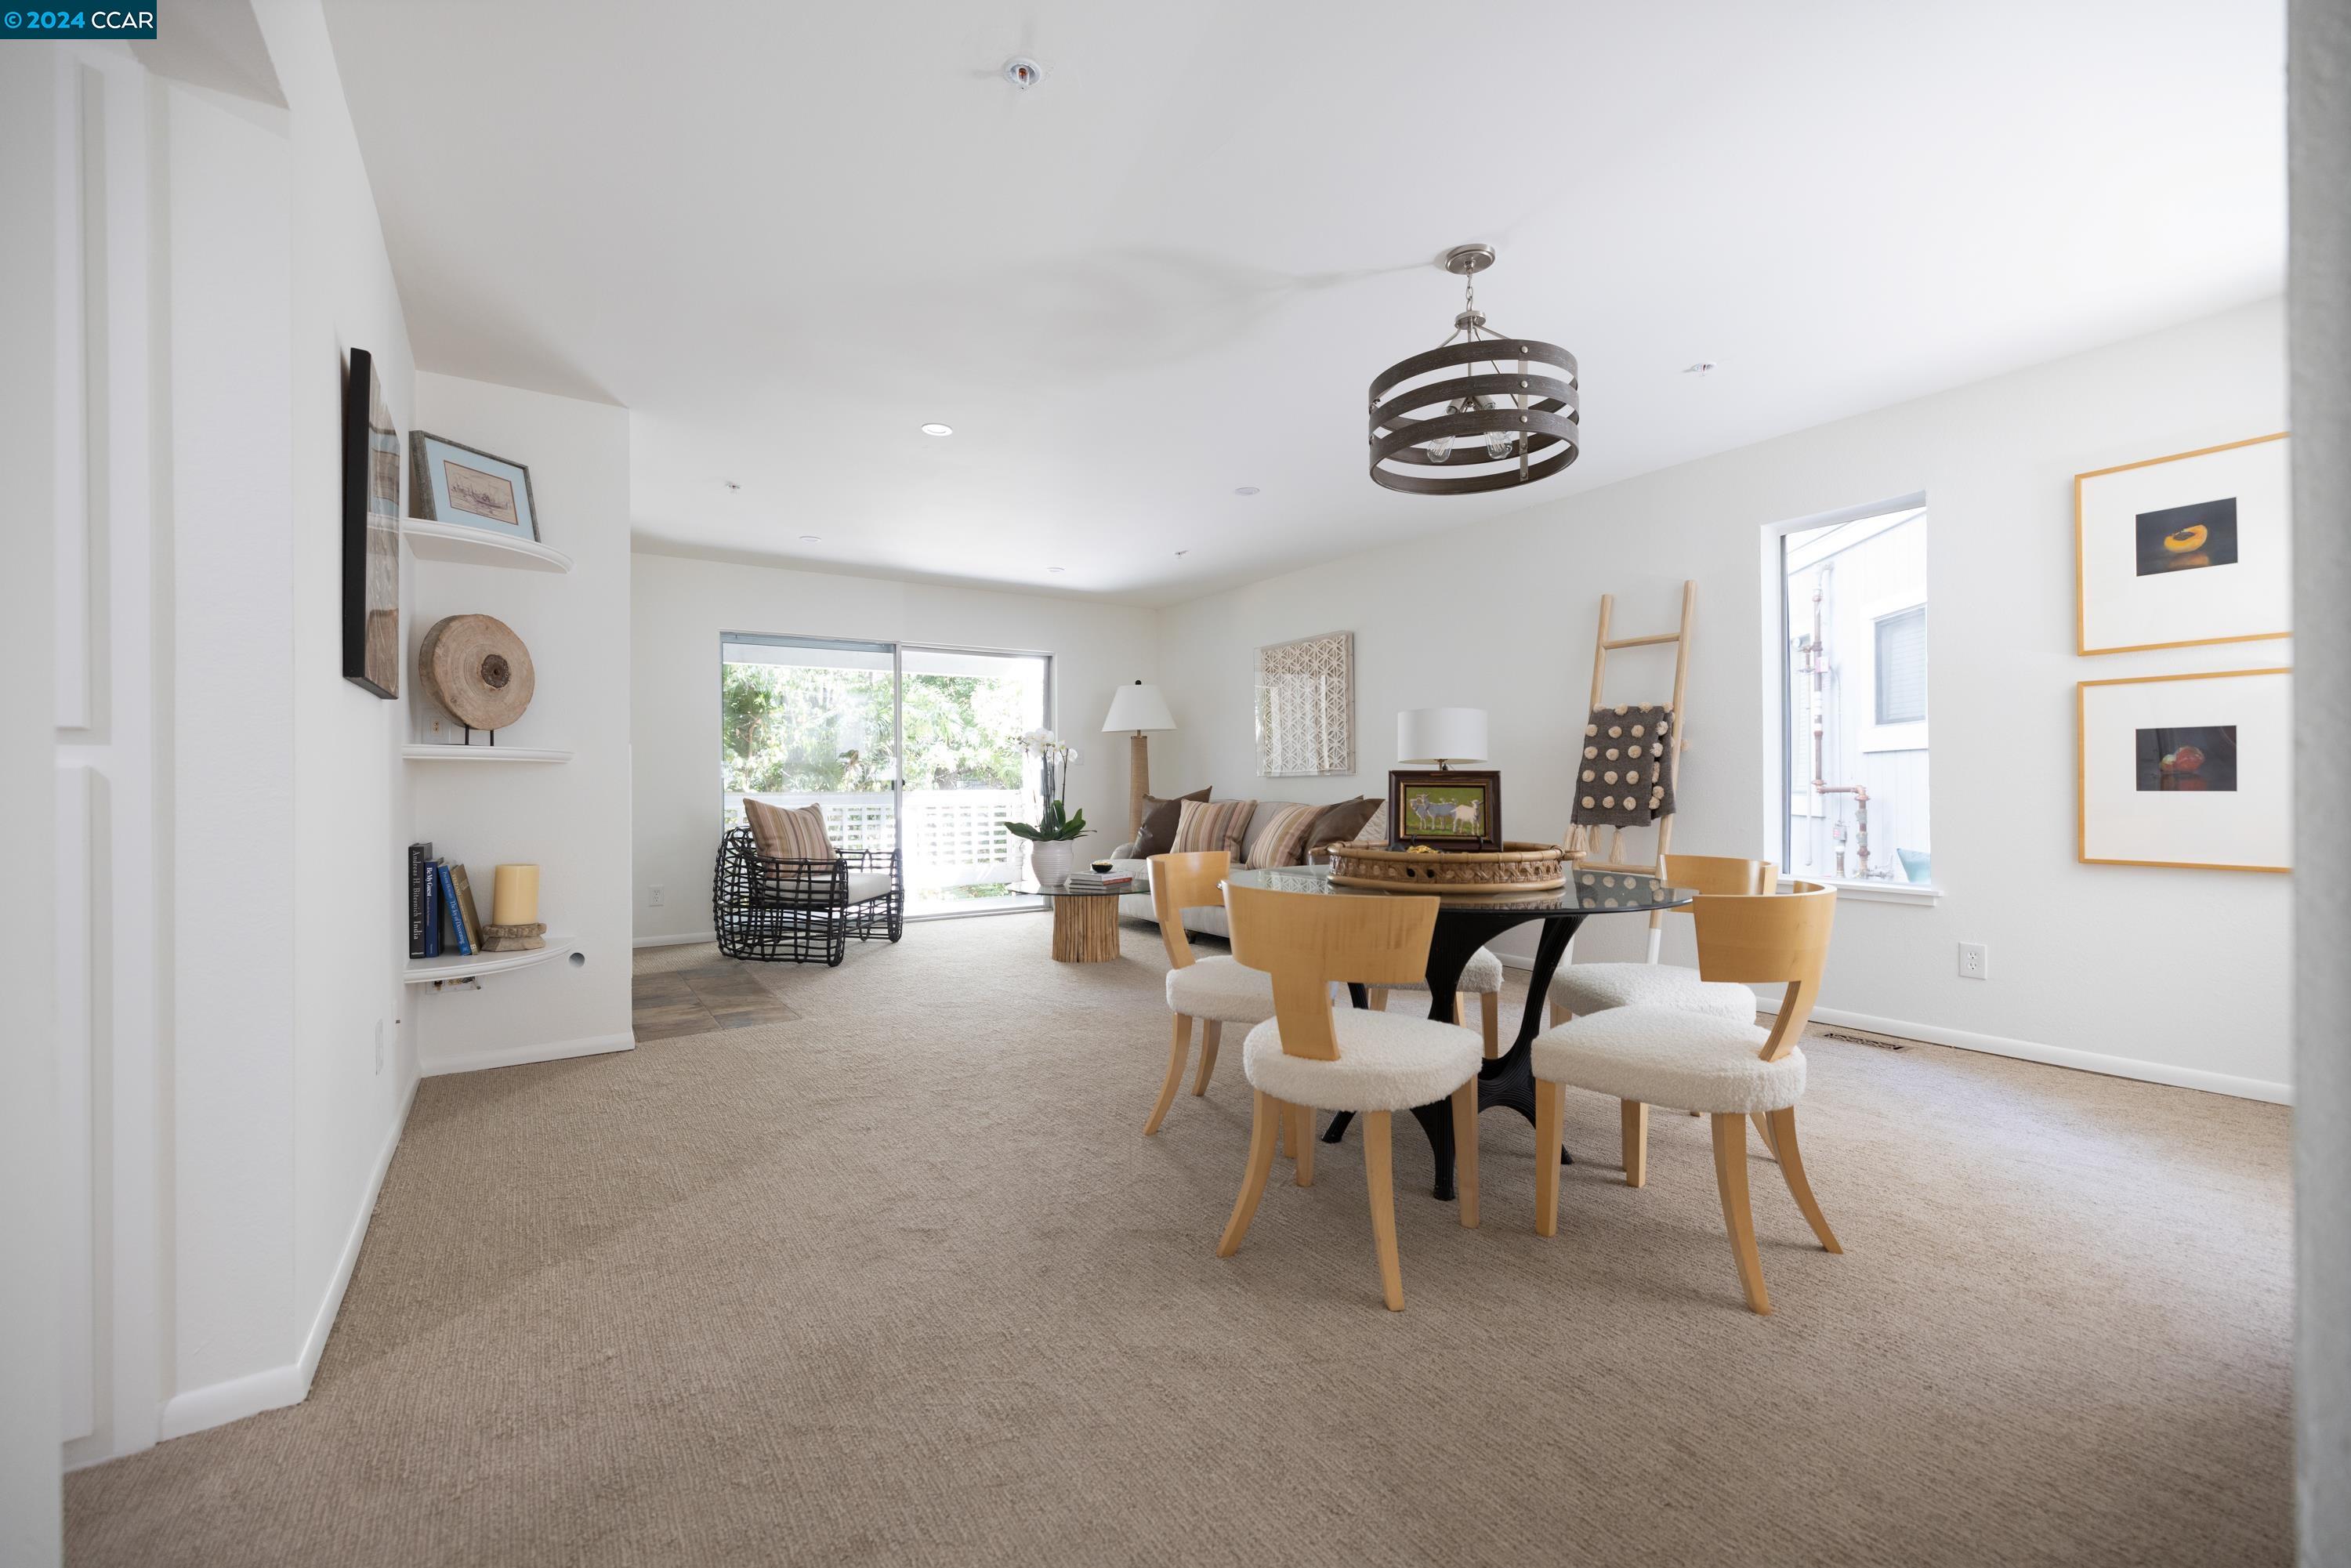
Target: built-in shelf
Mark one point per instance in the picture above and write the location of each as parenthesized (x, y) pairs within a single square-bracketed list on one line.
[(429, 540), (454, 753), (457, 967)]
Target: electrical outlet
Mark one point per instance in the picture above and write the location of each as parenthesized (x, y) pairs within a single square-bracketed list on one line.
[(653, 898), (1975, 963)]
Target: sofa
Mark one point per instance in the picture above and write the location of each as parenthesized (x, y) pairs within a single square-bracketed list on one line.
[(1209, 921)]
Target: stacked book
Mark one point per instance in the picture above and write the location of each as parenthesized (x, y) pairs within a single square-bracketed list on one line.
[(440, 899), (1102, 879)]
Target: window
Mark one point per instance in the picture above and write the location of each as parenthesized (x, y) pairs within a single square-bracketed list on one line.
[(1902, 666), (902, 747), (1855, 695)]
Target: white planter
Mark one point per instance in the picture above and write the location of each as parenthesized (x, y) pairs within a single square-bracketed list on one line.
[(1050, 862)]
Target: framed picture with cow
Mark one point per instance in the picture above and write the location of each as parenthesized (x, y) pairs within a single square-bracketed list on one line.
[(1449, 808)]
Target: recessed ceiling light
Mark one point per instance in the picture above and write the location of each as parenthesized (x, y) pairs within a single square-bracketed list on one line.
[(1699, 369), (1244, 489), (1057, 568), (935, 428), (811, 538)]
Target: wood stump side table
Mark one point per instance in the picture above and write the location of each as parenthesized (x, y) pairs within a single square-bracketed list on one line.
[(1085, 919)]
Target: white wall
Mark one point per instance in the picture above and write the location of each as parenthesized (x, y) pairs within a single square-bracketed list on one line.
[(30, 89), (2320, 306), (571, 818), (2084, 959), (349, 789), (680, 606)]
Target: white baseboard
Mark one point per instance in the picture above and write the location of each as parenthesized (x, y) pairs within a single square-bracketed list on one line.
[(277, 1386), (219, 1403), (314, 1344), (2055, 1055), (522, 1055), (689, 939)]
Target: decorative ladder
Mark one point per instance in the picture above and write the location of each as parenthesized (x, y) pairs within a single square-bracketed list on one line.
[(1614, 858)]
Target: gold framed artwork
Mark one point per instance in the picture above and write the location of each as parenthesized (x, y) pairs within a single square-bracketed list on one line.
[(2186, 770), (2184, 550)]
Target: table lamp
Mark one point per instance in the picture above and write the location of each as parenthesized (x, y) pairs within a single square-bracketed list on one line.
[(1139, 707), (1444, 736)]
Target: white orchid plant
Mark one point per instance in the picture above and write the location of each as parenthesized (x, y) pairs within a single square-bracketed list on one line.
[(1054, 824)]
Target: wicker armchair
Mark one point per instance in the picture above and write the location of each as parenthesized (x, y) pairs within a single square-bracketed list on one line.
[(802, 911)]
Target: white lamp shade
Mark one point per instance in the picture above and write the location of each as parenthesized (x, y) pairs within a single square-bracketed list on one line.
[(1138, 707), (1441, 735)]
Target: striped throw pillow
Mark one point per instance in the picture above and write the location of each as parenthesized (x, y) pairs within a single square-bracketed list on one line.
[(788, 833), (1212, 825), (1283, 840)]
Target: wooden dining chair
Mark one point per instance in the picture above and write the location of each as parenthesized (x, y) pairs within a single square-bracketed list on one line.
[(1214, 990), (1656, 1055), (1314, 1057), (1578, 990), (1480, 978)]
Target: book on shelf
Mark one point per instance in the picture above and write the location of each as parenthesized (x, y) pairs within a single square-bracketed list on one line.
[(419, 856), (458, 934), (464, 909), (432, 909)]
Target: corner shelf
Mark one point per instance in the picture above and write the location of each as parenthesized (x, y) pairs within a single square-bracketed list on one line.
[(429, 540), (454, 753), (457, 967)]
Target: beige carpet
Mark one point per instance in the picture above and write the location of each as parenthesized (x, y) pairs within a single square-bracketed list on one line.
[(898, 1281)]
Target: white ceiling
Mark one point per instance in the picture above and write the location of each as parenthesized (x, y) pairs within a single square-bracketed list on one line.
[(786, 234)]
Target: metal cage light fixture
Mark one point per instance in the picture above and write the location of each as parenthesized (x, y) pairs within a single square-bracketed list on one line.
[(1511, 416)]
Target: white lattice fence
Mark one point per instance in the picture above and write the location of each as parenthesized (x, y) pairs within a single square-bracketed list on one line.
[(954, 838)]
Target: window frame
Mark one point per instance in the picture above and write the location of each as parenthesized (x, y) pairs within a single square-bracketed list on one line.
[(1778, 795)]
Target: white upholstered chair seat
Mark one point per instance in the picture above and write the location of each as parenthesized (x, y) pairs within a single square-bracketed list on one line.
[(1387, 1061), (863, 885), (1582, 988), (1482, 975), (1660, 1055), (1220, 989)]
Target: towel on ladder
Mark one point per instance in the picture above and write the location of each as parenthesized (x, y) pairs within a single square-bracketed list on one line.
[(1624, 777)]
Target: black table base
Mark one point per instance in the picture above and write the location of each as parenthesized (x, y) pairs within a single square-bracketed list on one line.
[(1509, 1079)]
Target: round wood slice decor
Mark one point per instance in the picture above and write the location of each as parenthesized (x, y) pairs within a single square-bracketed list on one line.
[(474, 666)]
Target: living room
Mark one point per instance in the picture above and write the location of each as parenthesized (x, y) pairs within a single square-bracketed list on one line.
[(811, 844)]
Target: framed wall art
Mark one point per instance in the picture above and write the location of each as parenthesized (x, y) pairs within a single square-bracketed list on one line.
[(371, 533), (1306, 706), (2187, 550), (1446, 809), (2187, 770), (450, 482)]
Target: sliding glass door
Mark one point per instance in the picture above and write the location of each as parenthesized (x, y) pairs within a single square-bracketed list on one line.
[(903, 746)]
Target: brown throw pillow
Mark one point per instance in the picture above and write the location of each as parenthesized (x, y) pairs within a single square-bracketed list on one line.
[(1213, 825), (1337, 825), (1159, 820)]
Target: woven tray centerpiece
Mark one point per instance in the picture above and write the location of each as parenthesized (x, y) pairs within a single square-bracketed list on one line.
[(1513, 868)]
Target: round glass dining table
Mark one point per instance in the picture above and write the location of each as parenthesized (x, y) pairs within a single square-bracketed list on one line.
[(1465, 923)]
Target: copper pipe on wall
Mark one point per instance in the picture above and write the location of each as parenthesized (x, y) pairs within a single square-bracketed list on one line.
[(1817, 665)]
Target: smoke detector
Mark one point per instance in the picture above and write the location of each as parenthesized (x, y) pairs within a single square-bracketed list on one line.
[(1023, 72)]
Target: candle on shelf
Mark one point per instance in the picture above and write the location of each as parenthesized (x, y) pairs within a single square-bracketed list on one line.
[(513, 897)]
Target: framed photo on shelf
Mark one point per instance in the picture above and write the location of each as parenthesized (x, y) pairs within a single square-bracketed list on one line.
[(2187, 770), (371, 533), (2176, 551), (450, 482), (1445, 810)]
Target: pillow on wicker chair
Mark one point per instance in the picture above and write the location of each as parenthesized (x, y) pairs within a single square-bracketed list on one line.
[(788, 833)]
